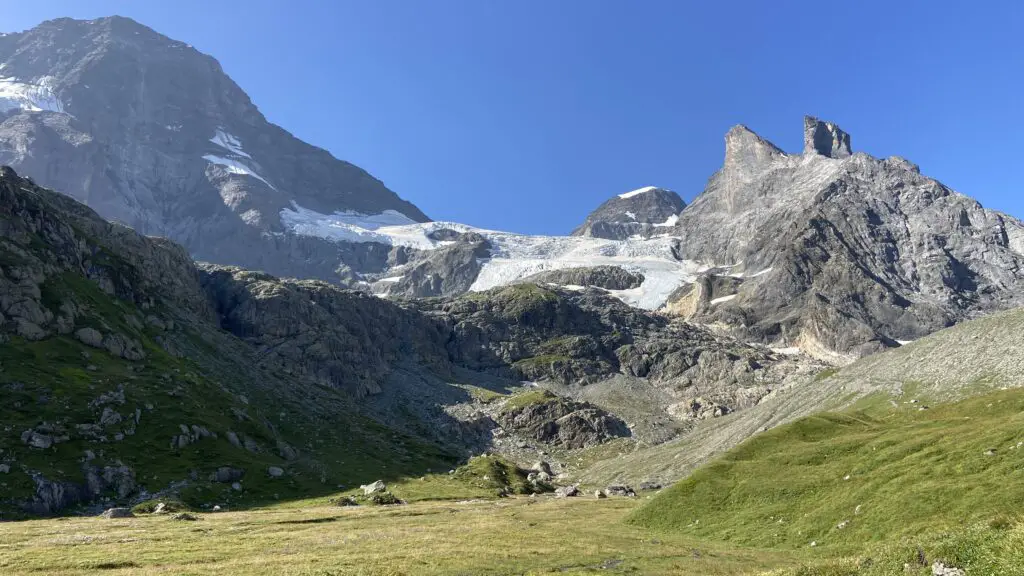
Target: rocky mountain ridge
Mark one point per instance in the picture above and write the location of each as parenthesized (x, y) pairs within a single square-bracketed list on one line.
[(842, 254), (126, 360)]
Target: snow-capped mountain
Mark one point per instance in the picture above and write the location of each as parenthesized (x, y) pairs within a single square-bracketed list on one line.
[(152, 133), (828, 250), (641, 212)]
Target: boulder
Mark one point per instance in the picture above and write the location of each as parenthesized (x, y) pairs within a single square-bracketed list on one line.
[(118, 513), (275, 472), (542, 466), (378, 486), (226, 474), (941, 569), (624, 491), (567, 491), (600, 494), (90, 337)]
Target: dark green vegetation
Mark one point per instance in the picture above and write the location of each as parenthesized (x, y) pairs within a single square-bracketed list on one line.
[(117, 382), (847, 480)]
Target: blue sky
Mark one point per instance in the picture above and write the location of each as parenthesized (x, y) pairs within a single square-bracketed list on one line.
[(526, 115)]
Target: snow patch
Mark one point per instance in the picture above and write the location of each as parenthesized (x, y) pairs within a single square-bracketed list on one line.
[(904, 342), (723, 299), (761, 273), (631, 215), (35, 96), (235, 167), (389, 227), (668, 223), (638, 191), (228, 142), (391, 279), (792, 350)]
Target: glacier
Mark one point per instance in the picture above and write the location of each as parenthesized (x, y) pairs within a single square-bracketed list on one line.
[(514, 256)]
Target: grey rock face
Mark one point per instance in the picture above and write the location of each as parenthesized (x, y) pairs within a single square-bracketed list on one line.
[(447, 271), (840, 254), (640, 212), (607, 277), (152, 133), (825, 138), (118, 513), (564, 423)]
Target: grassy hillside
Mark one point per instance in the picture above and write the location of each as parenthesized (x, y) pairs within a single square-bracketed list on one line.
[(117, 382), (848, 479)]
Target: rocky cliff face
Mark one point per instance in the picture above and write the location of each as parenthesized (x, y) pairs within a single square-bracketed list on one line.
[(151, 133), (643, 211), (842, 253)]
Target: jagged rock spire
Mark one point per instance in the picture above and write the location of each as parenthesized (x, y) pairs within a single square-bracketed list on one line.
[(825, 138), (744, 148)]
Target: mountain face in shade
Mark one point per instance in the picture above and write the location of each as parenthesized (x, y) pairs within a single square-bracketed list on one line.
[(841, 252), (152, 133), (640, 212)]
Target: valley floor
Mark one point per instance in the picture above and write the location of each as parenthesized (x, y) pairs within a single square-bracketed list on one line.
[(509, 536)]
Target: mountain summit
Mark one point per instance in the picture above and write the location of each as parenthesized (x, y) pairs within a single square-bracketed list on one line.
[(841, 252), (150, 132), (637, 212)]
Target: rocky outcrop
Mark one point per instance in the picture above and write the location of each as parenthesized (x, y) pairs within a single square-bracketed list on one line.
[(340, 338), (561, 422), (607, 277), (825, 138), (446, 271), (641, 212)]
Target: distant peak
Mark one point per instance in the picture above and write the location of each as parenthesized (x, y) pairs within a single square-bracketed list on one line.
[(825, 138), (743, 147)]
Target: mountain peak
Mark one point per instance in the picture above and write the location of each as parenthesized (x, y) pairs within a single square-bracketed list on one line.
[(825, 138), (635, 212), (744, 148)]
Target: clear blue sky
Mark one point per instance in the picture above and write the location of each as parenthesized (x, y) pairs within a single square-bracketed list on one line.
[(524, 115)]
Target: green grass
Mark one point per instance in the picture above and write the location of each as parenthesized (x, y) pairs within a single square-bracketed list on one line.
[(483, 477), (528, 398), (910, 472), (521, 536)]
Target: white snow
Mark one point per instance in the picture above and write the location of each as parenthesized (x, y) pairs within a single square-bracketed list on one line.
[(787, 351), (638, 191), (37, 96), (391, 279), (631, 215), (904, 342), (723, 299), (513, 256), (235, 167), (229, 143), (671, 221), (761, 273)]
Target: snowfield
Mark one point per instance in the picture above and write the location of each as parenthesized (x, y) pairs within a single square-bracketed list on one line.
[(229, 143), (232, 166), (37, 96), (514, 256), (637, 192)]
